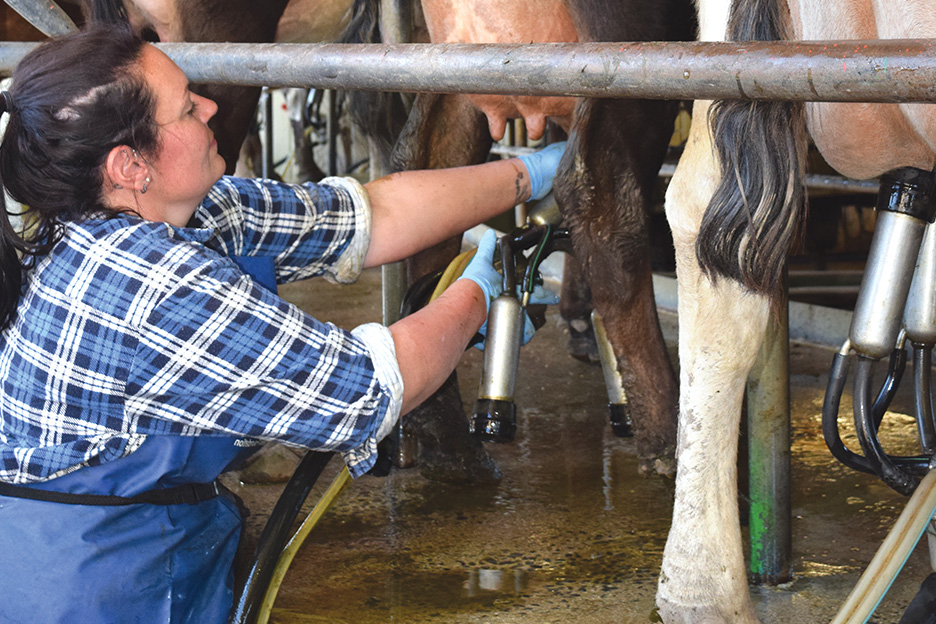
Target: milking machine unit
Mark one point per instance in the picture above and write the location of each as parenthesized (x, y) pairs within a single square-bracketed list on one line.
[(896, 303), (495, 415), (898, 289)]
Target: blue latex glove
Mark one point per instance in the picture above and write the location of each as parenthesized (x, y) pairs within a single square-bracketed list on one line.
[(540, 296), (481, 269), (542, 166)]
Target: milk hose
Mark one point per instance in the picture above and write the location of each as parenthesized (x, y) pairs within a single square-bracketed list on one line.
[(885, 466), (922, 356), (830, 408), (536, 259), (891, 556), (272, 559)]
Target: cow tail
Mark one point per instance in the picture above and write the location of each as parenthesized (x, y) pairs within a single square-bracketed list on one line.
[(378, 115), (110, 11), (758, 208)]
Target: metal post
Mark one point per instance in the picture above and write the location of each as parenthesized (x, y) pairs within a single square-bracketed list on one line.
[(393, 275), (862, 71), (396, 27), (266, 105), (396, 21), (331, 129), (47, 17), (768, 398)]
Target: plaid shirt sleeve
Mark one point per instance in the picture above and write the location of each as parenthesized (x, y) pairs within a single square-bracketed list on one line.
[(219, 354), (310, 229)]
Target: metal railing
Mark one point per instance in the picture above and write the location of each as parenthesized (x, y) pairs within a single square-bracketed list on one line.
[(834, 71)]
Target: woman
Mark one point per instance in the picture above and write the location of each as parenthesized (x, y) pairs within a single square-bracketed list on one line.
[(137, 358)]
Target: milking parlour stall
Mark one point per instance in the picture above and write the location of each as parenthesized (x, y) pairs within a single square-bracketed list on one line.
[(728, 415)]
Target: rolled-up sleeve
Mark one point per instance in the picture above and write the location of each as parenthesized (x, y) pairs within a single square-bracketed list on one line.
[(309, 230)]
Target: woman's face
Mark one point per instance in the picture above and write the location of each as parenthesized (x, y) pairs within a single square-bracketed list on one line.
[(187, 163)]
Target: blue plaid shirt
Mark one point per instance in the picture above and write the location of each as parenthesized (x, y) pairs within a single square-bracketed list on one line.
[(130, 328)]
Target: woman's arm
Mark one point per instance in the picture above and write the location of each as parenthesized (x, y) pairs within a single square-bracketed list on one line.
[(413, 210), (430, 342)]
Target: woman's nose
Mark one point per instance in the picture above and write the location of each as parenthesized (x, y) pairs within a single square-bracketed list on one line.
[(207, 107)]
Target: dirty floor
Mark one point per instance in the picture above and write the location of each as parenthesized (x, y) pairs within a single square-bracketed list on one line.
[(571, 533)]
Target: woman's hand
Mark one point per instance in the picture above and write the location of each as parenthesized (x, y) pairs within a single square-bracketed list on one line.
[(542, 167), (481, 269), (413, 210)]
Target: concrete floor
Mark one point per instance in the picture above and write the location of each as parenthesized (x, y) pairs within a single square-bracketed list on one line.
[(571, 533)]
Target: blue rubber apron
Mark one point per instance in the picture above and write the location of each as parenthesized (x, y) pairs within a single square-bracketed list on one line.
[(143, 563)]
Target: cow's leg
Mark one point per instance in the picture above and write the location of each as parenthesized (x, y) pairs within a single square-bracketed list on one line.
[(444, 131), (617, 146), (575, 307), (721, 327)]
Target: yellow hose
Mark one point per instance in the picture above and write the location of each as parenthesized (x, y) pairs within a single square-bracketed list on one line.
[(891, 556), (452, 272), (289, 552)]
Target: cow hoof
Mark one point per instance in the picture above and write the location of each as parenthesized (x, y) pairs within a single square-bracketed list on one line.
[(447, 451), (664, 466), (582, 344), (466, 469), (673, 614)]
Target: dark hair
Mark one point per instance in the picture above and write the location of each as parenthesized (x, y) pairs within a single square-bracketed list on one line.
[(73, 99)]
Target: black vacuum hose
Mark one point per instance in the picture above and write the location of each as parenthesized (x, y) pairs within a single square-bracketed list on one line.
[(249, 600), (923, 397), (830, 408), (895, 371), (893, 476)]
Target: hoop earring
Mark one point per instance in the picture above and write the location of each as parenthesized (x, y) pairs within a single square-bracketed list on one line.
[(145, 184)]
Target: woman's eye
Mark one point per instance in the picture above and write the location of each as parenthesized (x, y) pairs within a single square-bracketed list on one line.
[(194, 109)]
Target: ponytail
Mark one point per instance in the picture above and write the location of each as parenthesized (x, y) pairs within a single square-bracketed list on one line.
[(73, 99), (11, 245)]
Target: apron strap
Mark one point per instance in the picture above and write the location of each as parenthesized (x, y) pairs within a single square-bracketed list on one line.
[(189, 493)]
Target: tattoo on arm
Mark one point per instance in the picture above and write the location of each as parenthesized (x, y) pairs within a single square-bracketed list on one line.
[(522, 187)]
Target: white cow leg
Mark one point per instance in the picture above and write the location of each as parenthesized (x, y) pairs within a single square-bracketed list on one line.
[(721, 327)]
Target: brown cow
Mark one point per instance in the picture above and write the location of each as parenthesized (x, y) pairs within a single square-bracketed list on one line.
[(609, 171)]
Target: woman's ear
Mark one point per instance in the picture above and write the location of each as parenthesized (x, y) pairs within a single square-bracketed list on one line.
[(125, 168)]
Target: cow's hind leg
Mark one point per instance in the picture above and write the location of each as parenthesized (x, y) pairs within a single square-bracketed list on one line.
[(721, 327), (575, 306), (617, 147), (444, 131)]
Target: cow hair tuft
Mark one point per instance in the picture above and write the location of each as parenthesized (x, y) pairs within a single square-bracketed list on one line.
[(758, 208)]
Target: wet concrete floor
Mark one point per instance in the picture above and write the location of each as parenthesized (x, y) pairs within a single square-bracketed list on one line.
[(571, 533)]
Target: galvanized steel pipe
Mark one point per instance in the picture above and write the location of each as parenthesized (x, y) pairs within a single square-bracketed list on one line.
[(865, 71), (47, 17)]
